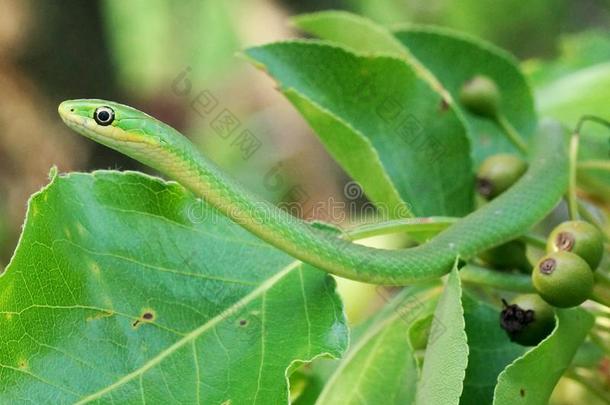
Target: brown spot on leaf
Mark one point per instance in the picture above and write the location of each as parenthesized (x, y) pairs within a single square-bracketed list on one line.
[(147, 316), (243, 322), (522, 392)]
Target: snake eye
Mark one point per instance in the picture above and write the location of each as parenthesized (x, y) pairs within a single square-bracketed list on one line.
[(103, 115)]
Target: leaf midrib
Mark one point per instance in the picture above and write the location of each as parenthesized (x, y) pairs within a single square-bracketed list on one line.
[(196, 333)]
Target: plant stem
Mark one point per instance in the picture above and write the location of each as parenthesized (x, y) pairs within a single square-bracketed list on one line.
[(418, 225), (407, 225), (511, 133), (493, 278), (586, 214), (470, 273), (602, 328), (572, 201), (594, 164), (599, 340), (601, 289)]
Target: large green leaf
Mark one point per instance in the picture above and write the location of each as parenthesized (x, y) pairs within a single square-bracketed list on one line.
[(531, 378), (489, 351), (127, 289), (380, 368), (455, 58), (447, 350), (382, 121)]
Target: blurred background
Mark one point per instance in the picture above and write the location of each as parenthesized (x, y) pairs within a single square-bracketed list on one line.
[(165, 56)]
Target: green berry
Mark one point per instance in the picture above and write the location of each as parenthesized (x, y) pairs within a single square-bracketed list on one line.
[(481, 96), (578, 237), (563, 279), (509, 256), (497, 173), (527, 319)]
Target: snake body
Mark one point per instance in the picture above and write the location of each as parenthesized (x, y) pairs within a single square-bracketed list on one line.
[(161, 147)]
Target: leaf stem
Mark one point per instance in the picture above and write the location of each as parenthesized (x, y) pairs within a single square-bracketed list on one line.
[(511, 133), (492, 278), (573, 158)]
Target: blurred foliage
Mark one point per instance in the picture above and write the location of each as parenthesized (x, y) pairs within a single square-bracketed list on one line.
[(527, 29), (576, 84), (66, 52), (152, 40), (576, 51)]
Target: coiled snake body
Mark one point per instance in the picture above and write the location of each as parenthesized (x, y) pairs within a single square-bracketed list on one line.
[(161, 147)]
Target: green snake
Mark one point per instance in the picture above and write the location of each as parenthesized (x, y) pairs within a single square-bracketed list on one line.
[(161, 147)]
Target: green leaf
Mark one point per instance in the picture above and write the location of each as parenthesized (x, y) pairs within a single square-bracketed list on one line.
[(489, 351), (531, 378), (447, 351), (363, 35), (455, 58), (381, 121), (351, 30), (380, 366), (125, 288)]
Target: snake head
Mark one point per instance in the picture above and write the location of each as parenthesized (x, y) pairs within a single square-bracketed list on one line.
[(112, 124)]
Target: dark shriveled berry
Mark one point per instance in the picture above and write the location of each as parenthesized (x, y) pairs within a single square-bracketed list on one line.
[(527, 319)]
